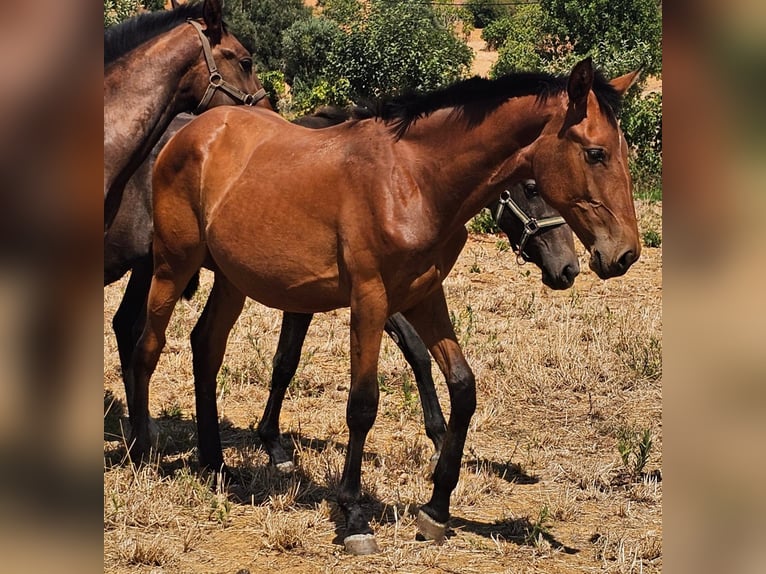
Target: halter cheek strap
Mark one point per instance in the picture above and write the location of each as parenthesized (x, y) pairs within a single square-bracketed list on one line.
[(216, 81), (531, 225)]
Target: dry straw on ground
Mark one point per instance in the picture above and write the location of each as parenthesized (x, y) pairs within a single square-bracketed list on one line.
[(552, 481)]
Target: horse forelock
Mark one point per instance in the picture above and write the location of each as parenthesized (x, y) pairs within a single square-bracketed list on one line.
[(128, 35), (476, 97)]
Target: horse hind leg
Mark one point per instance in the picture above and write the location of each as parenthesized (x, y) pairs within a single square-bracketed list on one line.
[(172, 272), (291, 338), (208, 341), (128, 321), (431, 320), (416, 354)]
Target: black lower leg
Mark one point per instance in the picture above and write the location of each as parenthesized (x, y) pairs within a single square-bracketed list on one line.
[(128, 322), (291, 337), (462, 389), (208, 341), (416, 354)]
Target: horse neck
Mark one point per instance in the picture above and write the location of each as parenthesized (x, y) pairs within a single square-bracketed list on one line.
[(142, 93), (460, 169)]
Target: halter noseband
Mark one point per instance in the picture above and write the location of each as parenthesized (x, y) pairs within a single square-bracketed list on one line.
[(216, 81), (531, 225)]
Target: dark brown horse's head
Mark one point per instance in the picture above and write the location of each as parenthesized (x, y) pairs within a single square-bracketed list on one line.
[(580, 163), (234, 62), (537, 233)]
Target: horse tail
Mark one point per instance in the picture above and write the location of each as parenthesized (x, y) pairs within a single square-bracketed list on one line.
[(192, 286)]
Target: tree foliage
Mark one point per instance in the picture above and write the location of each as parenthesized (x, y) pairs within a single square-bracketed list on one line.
[(365, 49), (484, 12), (259, 25), (609, 30), (115, 11)]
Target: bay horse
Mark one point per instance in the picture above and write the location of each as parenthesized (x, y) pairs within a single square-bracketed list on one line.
[(533, 228), (377, 203), (157, 65), (536, 233)]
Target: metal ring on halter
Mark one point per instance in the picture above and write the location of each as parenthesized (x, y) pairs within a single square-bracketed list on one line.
[(216, 79)]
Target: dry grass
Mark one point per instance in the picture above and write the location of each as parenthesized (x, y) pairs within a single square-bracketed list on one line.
[(561, 377)]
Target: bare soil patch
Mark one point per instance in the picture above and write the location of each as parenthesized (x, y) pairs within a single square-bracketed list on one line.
[(484, 59), (565, 379)]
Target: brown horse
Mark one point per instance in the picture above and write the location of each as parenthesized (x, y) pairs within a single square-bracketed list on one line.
[(533, 228), (377, 203), (158, 65)]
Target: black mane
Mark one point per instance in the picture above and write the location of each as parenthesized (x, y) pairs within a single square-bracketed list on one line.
[(475, 97), (128, 35)]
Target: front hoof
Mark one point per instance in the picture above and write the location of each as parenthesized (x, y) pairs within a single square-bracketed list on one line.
[(287, 467), (429, 529), (360, 544)]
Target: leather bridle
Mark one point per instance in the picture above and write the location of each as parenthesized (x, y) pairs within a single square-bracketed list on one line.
[(531, 225), (216, 81)]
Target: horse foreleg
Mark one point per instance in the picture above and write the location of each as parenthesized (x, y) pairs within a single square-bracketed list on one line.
[(208, 341), (416, 354), (291, 338), (368, 315), (431, 320)]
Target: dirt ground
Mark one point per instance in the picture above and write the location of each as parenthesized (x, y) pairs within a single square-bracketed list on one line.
[(562, 466)]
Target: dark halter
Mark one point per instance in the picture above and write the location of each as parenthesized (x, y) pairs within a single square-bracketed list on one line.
[(531, 225), (216, 80)]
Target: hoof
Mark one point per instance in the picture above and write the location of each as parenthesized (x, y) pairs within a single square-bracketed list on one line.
[(286, 467), (429, 529), (360, 544)]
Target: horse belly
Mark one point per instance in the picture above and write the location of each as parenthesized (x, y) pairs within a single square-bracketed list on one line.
[(295, 276)]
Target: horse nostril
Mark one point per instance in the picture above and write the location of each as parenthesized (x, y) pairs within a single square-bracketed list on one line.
[(626, 259), (570, 272)]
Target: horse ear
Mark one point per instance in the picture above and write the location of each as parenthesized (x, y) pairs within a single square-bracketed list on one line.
[(580, 82), (174, 4), (624, 83), (212, 13)]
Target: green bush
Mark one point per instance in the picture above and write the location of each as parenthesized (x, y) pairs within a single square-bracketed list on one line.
[(604, 27), (341, 11), (641, 121), (400, 46), (307, 48), (275, 86), (483, 222), (259, 25), (520, 48), (486, 11), (497, 32), (309, 96), (115, 11)]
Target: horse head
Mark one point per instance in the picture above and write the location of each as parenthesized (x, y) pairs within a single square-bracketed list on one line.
[(538, 234), (580, 163), (226, 64)]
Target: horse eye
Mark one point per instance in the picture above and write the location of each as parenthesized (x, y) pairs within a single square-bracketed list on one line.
[(530, 189), (247, 65), (595, 155)]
